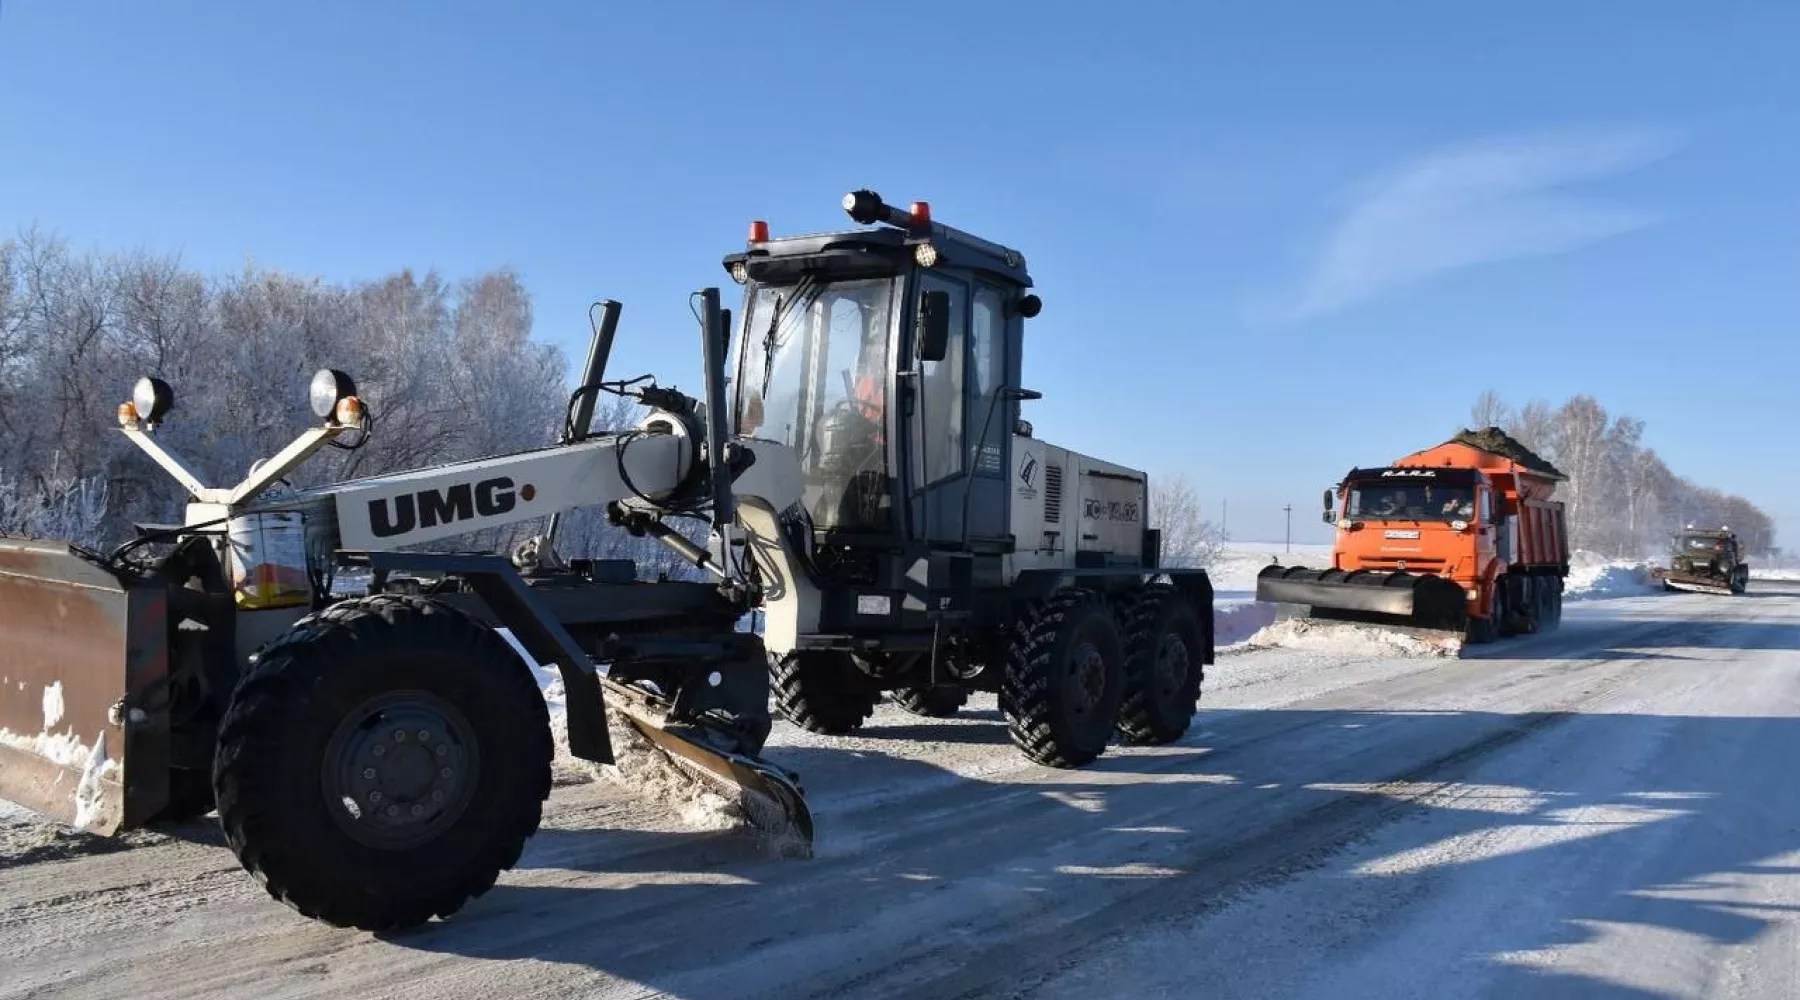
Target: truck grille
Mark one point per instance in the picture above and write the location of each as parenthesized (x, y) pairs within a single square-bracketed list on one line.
[(1053, 493), (1387, 565)]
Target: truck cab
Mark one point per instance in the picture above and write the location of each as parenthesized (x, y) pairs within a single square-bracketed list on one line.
[(1437, 521)]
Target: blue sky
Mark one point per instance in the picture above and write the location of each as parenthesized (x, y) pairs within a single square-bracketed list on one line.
[(1274, 240)]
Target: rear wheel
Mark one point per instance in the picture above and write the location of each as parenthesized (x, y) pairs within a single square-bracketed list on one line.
[(1064, 680), (1164, 666), (932, 701), (382, 762), (822, 692)]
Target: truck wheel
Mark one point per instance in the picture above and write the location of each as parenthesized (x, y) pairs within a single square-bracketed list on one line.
[(822, 692), (1486, 630), (1164, 667), (382, 762), (1064, 680), (932, 701), (1740, 582)]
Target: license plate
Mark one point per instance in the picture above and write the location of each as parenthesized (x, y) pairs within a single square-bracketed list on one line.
[(873, 604), (1397, 533)]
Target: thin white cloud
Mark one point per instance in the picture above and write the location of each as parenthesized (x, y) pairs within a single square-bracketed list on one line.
[(1489, 201)]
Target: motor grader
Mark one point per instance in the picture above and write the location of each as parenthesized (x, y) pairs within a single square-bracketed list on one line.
[(378, 759)]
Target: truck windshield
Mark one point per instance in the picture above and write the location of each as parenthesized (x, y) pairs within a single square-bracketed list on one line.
[(814, 375), (1410, 502), (1699, 543)]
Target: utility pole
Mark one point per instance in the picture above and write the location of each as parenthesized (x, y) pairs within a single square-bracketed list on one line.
[(1289, 511)]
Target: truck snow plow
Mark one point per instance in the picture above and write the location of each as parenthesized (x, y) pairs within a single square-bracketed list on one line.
[(1702, 561), (377, 757), (1460, 538)]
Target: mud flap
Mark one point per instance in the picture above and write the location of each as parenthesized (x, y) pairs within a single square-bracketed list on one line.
[(1413, 599), (84, 724)]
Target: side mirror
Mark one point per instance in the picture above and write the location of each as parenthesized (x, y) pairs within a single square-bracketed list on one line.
[(1330, 503), (933, 333)]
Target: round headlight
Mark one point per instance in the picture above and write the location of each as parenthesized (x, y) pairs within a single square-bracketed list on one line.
[(926, 255), (153, 399), (739, 273), (328, 386)]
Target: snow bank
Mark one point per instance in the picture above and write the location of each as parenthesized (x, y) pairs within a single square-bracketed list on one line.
[(1353, 639), (1594, 577), (1790, 574)]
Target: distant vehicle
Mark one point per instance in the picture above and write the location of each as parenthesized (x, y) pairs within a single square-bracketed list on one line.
[(1707, 562)]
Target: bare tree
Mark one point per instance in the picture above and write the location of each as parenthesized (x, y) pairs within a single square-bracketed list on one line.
[(1490, 411), (1189, 540)]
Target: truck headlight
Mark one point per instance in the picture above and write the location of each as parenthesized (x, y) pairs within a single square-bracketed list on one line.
[(1459, 525), (328, 387), (153, 399)]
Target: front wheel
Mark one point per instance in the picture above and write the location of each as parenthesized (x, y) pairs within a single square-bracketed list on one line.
[(382, 762)]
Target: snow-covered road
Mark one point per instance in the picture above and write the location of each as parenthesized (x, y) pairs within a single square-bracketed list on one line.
[(1610, 810)]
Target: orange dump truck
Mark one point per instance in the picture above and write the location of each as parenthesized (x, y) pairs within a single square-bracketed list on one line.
[(1463, 536)]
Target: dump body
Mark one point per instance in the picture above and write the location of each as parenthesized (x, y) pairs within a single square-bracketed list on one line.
[(1437, 536)]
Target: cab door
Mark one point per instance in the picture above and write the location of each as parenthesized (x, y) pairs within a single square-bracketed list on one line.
[(938, 436)]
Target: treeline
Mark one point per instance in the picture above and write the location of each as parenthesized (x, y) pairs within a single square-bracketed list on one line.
[(1623, 500), (448, 368)]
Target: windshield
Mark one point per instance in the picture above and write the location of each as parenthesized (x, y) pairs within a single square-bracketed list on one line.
[(814, 376), (1699, 543), (1411, 502)]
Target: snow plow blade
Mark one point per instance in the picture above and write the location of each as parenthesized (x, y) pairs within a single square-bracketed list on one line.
[(1414, 599), (1697, 585), (771, 799), (84, 729)]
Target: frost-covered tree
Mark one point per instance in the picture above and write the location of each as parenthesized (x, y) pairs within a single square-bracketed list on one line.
[(1189, 540)]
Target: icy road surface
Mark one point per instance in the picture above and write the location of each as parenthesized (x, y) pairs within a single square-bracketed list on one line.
[(1612, 810)]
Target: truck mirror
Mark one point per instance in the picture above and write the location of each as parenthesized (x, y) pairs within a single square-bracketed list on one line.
[(933, 331), (1330, 499)]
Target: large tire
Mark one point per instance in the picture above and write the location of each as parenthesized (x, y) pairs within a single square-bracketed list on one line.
[(1064, 680), (1481, 631), (822, 692), (331, 798), (932, 701), (1164, 667)]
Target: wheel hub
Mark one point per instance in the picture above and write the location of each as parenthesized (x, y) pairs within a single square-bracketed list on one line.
[(1172, 664), (1087, 668), (400, 769)]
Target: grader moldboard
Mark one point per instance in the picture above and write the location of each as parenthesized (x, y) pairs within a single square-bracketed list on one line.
[(378, 760)]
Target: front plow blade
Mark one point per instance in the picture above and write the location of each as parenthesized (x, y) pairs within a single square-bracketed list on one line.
[(83, 659), (1415, 599), (770, 798)]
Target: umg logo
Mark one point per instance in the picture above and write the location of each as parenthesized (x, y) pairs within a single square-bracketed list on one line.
[(391, 516)]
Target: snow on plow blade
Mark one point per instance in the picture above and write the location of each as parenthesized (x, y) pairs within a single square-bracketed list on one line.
[(83, 705), (772, 800), (1420, 600)]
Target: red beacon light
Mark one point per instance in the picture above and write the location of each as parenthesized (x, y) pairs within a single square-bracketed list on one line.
[(921, 213), (759, 231)]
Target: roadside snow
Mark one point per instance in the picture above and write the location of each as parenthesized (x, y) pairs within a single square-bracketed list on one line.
[(1786, 574), (1593, 576)]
